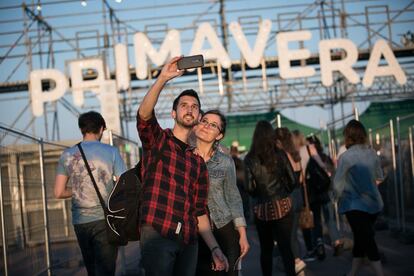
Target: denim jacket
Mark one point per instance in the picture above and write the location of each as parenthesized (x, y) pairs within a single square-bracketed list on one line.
[(355, 180), (224, 200)]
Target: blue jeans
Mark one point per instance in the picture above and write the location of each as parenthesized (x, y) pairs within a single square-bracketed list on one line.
[(162, 256), (98, 255), (329, 217)]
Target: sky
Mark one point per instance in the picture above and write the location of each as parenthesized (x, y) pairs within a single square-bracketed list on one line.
[(147, 13)]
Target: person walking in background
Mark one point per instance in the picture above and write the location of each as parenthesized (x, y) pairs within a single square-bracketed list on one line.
[(318, 183), (327, 206), (224, 201), (355, 184), (287, 142), (175, 186), (270, 180), (87, 214), (240, 177)]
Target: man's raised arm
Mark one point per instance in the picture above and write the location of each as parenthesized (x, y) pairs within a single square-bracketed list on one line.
[(169, 71)]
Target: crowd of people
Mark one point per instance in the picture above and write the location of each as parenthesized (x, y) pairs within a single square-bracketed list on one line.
[(198, 198)]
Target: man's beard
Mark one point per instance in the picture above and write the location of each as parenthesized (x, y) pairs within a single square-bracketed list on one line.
[(181, 122)]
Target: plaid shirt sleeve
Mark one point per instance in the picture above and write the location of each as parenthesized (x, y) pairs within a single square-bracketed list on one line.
[(201, 191), (149, 131)]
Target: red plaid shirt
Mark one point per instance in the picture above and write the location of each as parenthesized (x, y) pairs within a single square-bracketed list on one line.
[(175, 193)]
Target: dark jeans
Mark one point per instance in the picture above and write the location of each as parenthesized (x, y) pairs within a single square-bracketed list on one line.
[(98, 255), (279, 230), (362, 225), (311, 236), (228, 239), (295, 239), (162, 256)]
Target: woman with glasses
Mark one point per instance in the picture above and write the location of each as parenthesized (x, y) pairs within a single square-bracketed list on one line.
[(224, 202), (270, 181)]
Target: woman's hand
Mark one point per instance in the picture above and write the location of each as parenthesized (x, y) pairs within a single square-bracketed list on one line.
[(244, 243), (219, 260)]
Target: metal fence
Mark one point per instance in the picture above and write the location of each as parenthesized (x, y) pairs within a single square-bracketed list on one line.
[(393, 143), (37, 236)]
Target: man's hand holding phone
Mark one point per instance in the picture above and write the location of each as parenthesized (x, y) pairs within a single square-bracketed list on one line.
[(170, 69)]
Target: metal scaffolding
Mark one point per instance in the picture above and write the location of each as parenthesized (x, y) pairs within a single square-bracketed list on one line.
[(49, 33)]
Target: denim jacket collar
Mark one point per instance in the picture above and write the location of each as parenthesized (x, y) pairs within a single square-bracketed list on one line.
[(215, 158)]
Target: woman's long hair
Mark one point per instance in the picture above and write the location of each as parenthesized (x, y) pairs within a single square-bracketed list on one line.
[(354, 133), (284, 136), (263, 145)]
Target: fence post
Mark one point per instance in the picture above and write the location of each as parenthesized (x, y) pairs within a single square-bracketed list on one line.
[(329, 144), (370, 136), (44, 203), (3, 228), (410, 135), (394, 168), (356, 113), (400, 173), (278, 121)]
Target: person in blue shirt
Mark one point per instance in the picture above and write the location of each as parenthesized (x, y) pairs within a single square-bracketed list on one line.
[(355, 185), (87, 214)]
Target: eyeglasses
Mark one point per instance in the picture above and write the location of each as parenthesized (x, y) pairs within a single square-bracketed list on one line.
[(205, 122)]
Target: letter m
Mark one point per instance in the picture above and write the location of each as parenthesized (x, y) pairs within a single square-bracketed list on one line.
[(143, 48)]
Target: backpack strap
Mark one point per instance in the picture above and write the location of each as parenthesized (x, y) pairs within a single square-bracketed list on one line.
[(92, 178)]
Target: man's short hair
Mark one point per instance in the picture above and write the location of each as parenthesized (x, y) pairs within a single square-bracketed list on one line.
[(91, 122), (187, 92)]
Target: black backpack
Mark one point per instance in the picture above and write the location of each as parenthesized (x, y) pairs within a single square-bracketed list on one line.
[(123, 207)]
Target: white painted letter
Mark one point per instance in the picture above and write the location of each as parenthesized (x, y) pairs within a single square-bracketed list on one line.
[(38, 96), (217, 51), (344, 65), (79, 85), (123, 78), (108, 98), (286, 55), (374, 70), (254, 57), (170, 47)]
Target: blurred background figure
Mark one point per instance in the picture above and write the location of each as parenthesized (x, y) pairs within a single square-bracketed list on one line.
[(240, 176), (286, 142), (270, 181), (355, 184)]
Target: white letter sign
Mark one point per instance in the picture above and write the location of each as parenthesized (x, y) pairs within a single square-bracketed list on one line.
[(123, 78), (344, 66), (38, 96), (170, 47), (79, 85), (374, 70), (286, 55), (253, 58), (217, 51)]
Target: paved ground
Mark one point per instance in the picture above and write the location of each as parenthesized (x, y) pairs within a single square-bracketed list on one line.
[(399, 256)]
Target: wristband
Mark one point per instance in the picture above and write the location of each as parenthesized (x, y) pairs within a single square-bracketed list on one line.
[(214, 248)]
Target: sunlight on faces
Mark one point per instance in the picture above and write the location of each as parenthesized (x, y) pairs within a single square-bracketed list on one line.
[(209, 128), (187, 113)]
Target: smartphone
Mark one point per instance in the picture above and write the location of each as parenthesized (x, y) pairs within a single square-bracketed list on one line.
[(190, 62)]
